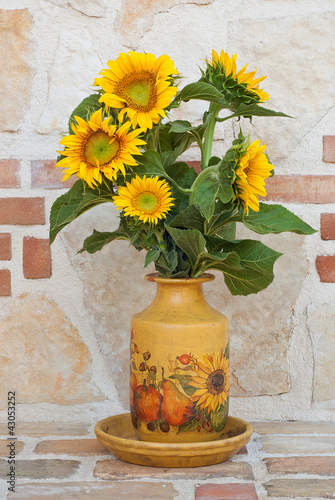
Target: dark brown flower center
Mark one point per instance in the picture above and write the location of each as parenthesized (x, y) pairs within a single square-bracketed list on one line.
[(216, 382)]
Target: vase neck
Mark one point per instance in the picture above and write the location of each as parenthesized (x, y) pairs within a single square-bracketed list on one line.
[(180, 295)]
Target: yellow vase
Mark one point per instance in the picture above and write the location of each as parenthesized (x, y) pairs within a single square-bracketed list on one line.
[(179, 370)]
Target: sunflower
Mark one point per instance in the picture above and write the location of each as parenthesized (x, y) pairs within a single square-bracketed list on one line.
[(97, 147), (141, 85), (252, 170), (211, 382), (149, 199), (228, 64)]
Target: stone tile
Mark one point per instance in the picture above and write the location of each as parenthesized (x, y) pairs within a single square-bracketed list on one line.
[(116, 469), (80, 447), (94, 491), (233, 491), (37, 429), (297, 488), (298, 444), (4, 447), (293, 427), (17, 59), (41, 468), (323, 466), (320, 322), (55, 364)]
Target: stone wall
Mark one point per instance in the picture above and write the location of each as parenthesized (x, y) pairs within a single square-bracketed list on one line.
[(64, 317)]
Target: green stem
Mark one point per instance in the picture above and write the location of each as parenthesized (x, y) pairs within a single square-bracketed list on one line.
[(201, 177), (182, 190), (206, 152)]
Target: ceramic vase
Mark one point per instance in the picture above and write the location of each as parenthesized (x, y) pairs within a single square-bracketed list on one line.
[(179, 367)]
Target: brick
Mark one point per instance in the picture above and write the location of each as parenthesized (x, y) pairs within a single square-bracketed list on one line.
[(116, 469), (329, 148), (297, 488), (325, 264), (328, 226), (42, 468), (36, 258), (45, 175), (232, 491), (301, 188), (38, 429), (94, 490), (298, 444), (5, 246), (22, 211), (9, 174), (80, 447), (4, 449), (293, 427), (5, 283), (322, 466), (195, 165)]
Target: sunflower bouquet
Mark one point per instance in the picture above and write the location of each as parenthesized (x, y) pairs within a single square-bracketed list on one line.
[(124, 148)]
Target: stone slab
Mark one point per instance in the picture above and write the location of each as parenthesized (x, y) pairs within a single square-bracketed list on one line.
[(42, 468), (298, 444), (37, 429), (79, 447), (293, 427), (90, 490), (117, 470), (322, 466), (297, 488), (4, 449)]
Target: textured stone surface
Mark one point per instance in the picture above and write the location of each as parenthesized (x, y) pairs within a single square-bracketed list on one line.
[(71, 76), (42, 468), (37, 429), (136, 16), (293, 427), (91, 8), (259, 329), (80, 447), (322, 466), (305, 488), (16, 56), (290, 84), (116, 289), (321, 320), (231, 491), (116, 469), (4, 450), (298, 444), (55, 364), (94, 491)]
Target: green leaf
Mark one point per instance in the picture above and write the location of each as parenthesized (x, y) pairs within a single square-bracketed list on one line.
[(208, 192), (85, 109), (184, 176), (97, 240), (184, 381), (200, 90), (75, 202), (247, 110), (190, 218), (275, 219), (191, 425), (151, 256), (151, 163), (190, 241)]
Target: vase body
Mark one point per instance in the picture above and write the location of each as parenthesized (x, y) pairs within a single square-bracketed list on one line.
[(179, 369)]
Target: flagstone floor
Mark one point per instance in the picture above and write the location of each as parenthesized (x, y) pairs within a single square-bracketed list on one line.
[(57, 461)]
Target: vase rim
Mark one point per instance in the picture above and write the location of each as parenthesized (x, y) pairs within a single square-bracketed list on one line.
[(156, 278)]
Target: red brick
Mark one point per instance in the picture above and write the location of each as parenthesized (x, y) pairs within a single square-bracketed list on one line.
[(329, 148), (5, 246), (45, 175), (328, 226), (22, 211), (5, 283), (195, 165), (325, 264), (322, 466), (36, 258), (231, 491), (9, 174), (301, 188)]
